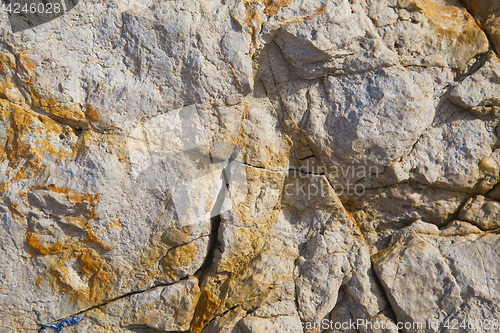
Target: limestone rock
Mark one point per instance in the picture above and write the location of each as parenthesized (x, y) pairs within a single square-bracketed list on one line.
[(362, 119), (250, 166), (441, 280), (433, 160), (487, 12), (479, 92), (327, 40), (382, 212), (428, 32), (167, 308), (483, 212)]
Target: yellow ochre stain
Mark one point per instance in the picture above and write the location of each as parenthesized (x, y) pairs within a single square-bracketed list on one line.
[(178, 257), (205, 309), (273, 6), (92, 114), (452, 20), (37, 245)]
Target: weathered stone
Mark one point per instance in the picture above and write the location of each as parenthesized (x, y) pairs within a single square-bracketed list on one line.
[(479, 92), (450, 151), (250, 166), (354, 123), (429, 32), (168, 308), (315, 49), (382, 212), (482, 212), (487, 12), (433, 280)]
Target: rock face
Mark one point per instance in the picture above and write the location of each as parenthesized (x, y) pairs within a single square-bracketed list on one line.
[(252, 166), (487, 13)]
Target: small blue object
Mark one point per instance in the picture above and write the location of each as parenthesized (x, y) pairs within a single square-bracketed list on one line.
[(63, 323)]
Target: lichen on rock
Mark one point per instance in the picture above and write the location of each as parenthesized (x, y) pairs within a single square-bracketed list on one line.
[(251, 166)]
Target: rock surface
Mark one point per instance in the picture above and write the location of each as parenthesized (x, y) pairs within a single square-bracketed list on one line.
[(252, 166), (487, 12)]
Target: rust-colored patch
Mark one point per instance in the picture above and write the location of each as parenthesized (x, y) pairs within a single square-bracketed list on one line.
[(93, 213), (487, 14), (74, 197), (204, 311), (8, 60), (309, 16), (94, 266), (92, 284), (178, 257), (273, 6), (24, 153), (92, 114), (5, 87), (209, 205), (91, 237), (354, 222), (98, 284), (37, 282), (243, 117), (382, 255), (88, 263), (4, 187), (451, 19), (14, 209), (27, 64), (73, 115), (15, 148), (35, 243)]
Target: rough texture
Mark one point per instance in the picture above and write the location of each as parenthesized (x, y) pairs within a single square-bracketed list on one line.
[(487, 12), (251, 166), (479, 92)]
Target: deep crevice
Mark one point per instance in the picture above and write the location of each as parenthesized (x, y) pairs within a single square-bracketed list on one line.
[(479, 24), (391, 314), (212, 247)]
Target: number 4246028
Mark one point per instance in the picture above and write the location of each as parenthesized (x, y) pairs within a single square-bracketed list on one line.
[(34, 8)]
